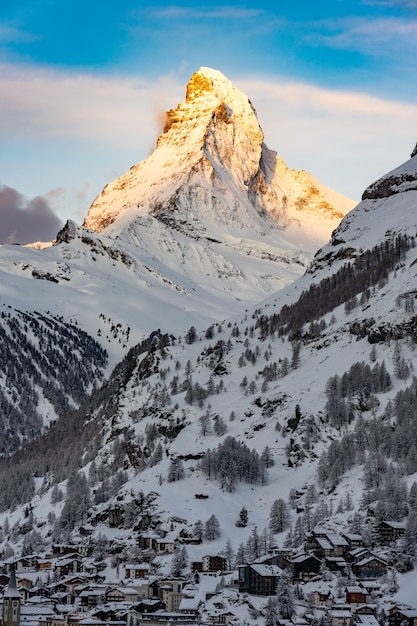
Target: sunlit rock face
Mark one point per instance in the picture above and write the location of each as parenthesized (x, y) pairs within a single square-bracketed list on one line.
[(211, 171)]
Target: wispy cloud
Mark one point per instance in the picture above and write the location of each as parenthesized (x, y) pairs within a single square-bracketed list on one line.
[(409, 4), (345, 138), (202, 12), (40, 103), (11, 34), (373, 36)]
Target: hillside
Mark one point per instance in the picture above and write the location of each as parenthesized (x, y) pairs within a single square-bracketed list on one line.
[(253, 432)]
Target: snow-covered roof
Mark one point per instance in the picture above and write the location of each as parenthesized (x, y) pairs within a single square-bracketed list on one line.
[(266, 570)]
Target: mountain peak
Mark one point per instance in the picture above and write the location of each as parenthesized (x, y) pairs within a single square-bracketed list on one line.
[(200, 84), (212, 168)]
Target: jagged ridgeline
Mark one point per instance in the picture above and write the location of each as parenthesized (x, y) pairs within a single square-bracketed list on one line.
[(342, 287), (47, 366)]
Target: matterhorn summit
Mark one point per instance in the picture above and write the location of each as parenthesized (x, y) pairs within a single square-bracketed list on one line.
[(212, 177)]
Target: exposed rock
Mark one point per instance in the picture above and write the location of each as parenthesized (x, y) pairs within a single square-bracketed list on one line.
[(67, 232)]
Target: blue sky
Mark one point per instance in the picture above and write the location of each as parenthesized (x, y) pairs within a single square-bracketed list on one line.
[(83, 88)]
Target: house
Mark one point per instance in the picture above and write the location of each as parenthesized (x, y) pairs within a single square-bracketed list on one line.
[(164, 546), (321, 598), (40, 590), (62, 598), (148, 606), (86, 530), (366, 620), (197, 566), (190, 605), (89, 567), (213, 563), (340, 617), (137, 571), (170, 593), (173, 600), (259, 579), (373, 587), (402, 617), (25, 582), (60, 549), (151, 544), (390, 531), (91, 597), (71, 583), (27, 564), (224, 617), (305, 567), (322, 547), (354, 540), (370, 567), (70, 564), (327, 544), (122, 594), (336, 564), (146, 541), (357, 554), (356, 595)]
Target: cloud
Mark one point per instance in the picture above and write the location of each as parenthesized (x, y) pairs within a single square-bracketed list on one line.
[(378, 37), (10, 34), (25, 221), (408, 4), (35, 102), (191, 13)]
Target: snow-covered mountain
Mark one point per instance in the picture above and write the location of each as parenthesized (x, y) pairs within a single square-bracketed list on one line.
[(212, 219), (305, 396), (212, 177), (210, 222)]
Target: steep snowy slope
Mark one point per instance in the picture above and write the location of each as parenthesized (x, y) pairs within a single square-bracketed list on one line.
[(213, 198)]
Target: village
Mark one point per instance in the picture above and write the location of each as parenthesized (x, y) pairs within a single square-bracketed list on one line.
[(68, 586)]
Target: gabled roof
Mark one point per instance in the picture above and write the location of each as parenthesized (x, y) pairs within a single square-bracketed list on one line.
[(410, 613), (324, 543), (394, 525), (370, 558), (304, 557), (266, 570), (356, 589)]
